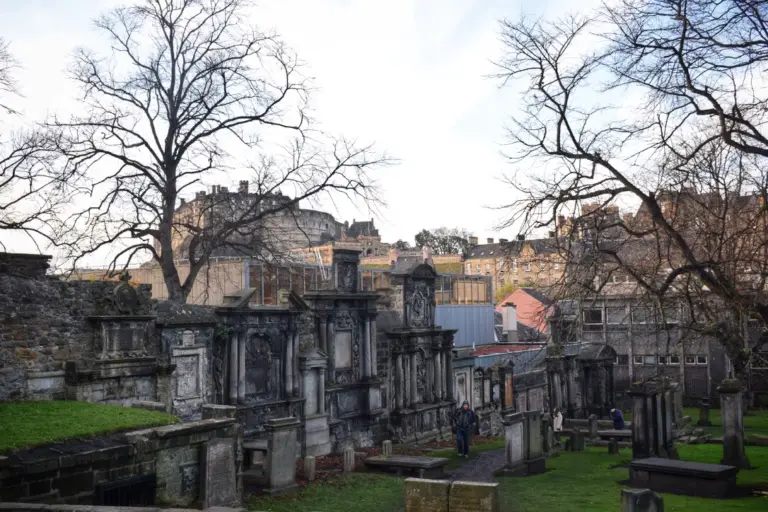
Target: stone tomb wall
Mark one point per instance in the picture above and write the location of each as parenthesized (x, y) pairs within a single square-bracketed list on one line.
[(70, 472)]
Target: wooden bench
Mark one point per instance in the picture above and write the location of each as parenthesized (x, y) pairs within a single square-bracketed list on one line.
[(408, 465), (682, 477)]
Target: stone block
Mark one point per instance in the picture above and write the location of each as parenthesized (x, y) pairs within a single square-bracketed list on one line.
[(592, 426), (281, 455), (426, 495), (219, 475), (386, 448), (309, 468), (641, 500), (349, 460), (613, 446), (473, 497), (149, 406), (218, 412), (704, 420)]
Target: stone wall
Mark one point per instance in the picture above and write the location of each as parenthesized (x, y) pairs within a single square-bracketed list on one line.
[(69, 472), (43, 323)]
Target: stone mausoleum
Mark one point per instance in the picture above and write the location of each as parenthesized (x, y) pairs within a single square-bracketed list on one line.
[(355, 367)]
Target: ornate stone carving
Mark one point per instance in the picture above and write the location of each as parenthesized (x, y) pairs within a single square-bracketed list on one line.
[(346, 276), (419, 305), (126, 297), (219, 363), (262, 365), (344, 320), (422, 384)]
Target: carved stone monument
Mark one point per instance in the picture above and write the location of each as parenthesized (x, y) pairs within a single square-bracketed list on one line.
[(514, 445), (281, 455), (641, 500), (218, 483), (732, 410), (535, 462)]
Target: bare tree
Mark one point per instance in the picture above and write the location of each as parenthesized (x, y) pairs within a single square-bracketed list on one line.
[(688, 159), (32, 190), (187, 83)]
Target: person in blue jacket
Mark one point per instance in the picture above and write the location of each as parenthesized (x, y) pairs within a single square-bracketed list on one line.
[(618, 419)]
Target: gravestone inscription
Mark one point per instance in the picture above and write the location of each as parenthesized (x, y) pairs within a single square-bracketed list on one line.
[(219, 474)]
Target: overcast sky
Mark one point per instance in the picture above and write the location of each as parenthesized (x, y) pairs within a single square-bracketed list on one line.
[(409, 75)]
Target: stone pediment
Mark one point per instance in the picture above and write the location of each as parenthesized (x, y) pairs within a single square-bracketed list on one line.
[(239, 299), (313, 357)]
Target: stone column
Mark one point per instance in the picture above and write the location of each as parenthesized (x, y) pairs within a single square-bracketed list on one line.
[(234, 368), (448, 365), (414, 379), (323, 332), (321, 392), (374, 354), (304, 390), (368, 347), (289, 365), (365, 360), (732, 410), (295, 363), (331, 340), (399, 378), (436, 377), (241, 366)]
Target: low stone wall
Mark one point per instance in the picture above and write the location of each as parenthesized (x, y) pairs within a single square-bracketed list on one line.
[(70, 472), (422, 495)]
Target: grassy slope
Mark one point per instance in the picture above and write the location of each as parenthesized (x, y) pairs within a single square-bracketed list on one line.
[(26, 424)]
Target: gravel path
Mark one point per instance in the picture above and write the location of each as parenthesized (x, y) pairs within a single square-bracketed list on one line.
[(481, 468)]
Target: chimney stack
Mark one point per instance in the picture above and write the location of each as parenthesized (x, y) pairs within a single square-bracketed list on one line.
[(243, 189), (473, 240), (489, 240), (509, 321), (551, 234), (503, 240), (520, 238)]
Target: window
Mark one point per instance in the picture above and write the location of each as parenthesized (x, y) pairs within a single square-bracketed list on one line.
[(637, 359), (514, 265), (543, 265), (641, 315), (527, 266), (501, 283), (593, 316), (662, 359), (478, 267), (690, 360), (701, 359), (469, 268), (487, 268), (515, 283), (556, 266), (621, 359), (673, 360), (650, 359), (615, 316)]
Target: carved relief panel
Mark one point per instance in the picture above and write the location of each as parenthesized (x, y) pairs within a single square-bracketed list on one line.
[(262, 369), (347, 346)]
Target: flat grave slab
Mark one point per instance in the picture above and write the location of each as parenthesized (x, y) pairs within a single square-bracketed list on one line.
[(682, 477), (422, 467)]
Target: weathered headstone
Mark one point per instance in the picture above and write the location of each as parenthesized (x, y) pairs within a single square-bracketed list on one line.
[(426, 495), (514, 447), (547, 435), (309, 468), (641, 500), (704, 420), (473, 497), (534, 457), (349, 460), (732, 410), (613, 446), (386, 448), (576, 441), (281, 454), (592, 426), (219, 475)]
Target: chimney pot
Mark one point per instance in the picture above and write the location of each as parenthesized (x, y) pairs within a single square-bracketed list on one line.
[(520, 238)]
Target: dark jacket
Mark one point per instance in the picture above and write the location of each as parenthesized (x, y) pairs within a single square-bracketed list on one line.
[(618, 420), (465, 419)]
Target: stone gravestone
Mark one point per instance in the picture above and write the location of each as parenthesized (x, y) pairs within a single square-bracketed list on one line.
[(218, 485), (426, 495), (309, 468), (546, 433), (349, 460), (576, 441), (473, 497), (534, 457), (641, 500), (592, 426), (613, 446), (514, 446), (732, 410), (386, 448), (281, 455), (704, 414)]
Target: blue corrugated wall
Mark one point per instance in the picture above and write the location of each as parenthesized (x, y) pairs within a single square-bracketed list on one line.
[(474, 323)]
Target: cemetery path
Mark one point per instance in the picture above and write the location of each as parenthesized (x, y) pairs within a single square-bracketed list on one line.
[(481, 468)]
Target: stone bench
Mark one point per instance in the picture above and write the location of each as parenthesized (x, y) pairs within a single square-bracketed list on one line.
[(682, 477), (408, 465)]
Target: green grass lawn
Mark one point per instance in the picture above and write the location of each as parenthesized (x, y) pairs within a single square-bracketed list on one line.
[(24, 424), (578, 482), (756, 422)]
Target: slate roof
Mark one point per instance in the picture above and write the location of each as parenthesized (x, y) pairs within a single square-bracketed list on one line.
[(362, 228), (513, 248)]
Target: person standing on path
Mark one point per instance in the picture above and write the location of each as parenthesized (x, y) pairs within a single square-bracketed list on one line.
[(465, 419)]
